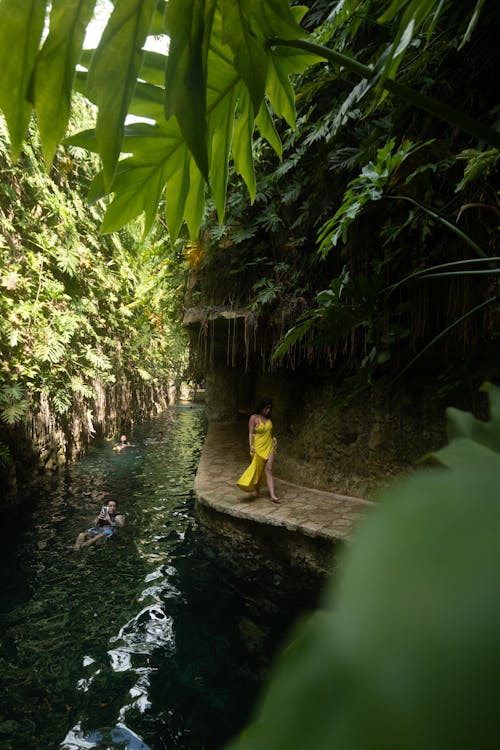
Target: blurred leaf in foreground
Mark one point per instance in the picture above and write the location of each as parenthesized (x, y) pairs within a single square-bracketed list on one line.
[(406, 653)]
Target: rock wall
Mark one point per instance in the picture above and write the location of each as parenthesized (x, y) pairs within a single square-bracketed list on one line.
[(330, 437), (356, 449), (48, 441), (247, 544)]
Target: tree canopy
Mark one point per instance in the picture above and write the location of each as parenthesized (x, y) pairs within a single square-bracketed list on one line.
[(367, 130), (225, 78)]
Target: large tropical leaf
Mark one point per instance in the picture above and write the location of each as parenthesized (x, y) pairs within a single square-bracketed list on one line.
[(162, 155), (463, 426), (55, 69), (229, 61), (21, 26), (267, 128), (189, 24), (113, 74)]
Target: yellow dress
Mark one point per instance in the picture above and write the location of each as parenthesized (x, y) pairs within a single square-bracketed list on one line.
[(263, 444)]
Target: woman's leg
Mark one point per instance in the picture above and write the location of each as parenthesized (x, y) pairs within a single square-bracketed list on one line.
[(270, 478)]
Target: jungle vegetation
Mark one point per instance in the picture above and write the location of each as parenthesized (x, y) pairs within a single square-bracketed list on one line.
[(77, 307), (359, 141), (370, 212)]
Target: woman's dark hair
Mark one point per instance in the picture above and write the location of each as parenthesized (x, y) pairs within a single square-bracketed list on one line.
[(262, 403)]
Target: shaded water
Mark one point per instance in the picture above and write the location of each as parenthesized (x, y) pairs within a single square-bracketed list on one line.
[(145, 641)]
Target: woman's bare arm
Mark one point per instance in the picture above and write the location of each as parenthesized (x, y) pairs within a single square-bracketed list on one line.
[(251, 430)]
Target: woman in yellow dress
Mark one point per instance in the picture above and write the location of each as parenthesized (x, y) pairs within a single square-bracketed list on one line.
[(262, 450)]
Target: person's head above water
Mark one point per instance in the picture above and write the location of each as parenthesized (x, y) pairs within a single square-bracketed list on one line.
[(123, 439)]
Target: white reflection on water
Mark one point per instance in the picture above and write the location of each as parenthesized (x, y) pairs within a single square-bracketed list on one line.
[(139, 637), (150, 628), (120, 735)]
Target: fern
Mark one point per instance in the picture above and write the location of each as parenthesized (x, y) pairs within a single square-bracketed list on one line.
[(479, 165), (61, 401), (269, 219), (83, 389), (51, 350), (13, 405), (98, 359), (242, 233), (266, 292), (68, 260)]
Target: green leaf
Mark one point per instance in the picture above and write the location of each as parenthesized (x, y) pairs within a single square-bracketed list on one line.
[(472, 23), (55, 70), (160, 157), (158, 21), (472, 439), (404, 652), (117, 61), (148, 102), (366, 188), (464, 424), (13, 412), (153, 67), (159, 152), (293, 336), (20, 33), (189, 23), (195, 202), (243, 31), (221, 125), (144, 374), (284, 64), (462, 449), (51, 348), (138, 190), (178, 190), (247, 29), (415, 15), (267, 129), (85, 139), (242, 142)]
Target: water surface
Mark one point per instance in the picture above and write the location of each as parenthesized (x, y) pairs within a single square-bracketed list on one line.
[(146, 641)]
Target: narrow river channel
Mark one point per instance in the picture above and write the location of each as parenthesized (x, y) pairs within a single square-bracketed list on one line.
[(144, 642)]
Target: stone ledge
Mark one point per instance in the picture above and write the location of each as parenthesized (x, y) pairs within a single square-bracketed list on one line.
[(194, 315), (310, 515)]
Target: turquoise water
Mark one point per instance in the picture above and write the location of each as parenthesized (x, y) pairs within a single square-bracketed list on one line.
[(147, 641)]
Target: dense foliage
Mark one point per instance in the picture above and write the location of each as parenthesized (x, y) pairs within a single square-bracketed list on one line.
[(379, 227), (385, 157), (76, 307)]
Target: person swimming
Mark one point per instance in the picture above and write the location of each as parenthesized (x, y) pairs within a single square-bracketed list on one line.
[(106, 523), (122, 443)]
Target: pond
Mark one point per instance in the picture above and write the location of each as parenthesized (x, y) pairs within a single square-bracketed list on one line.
[(146, 641)]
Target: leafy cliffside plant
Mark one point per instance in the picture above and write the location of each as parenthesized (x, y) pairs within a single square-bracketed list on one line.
[(76, 308), (227, 64)]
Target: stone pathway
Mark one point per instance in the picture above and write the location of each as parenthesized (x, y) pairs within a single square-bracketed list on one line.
[(311, 512)]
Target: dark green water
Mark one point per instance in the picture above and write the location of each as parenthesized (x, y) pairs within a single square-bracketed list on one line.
[(147, 641)]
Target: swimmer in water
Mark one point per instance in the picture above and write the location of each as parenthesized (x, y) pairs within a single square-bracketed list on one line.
[(106, 524), (122, 443)]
